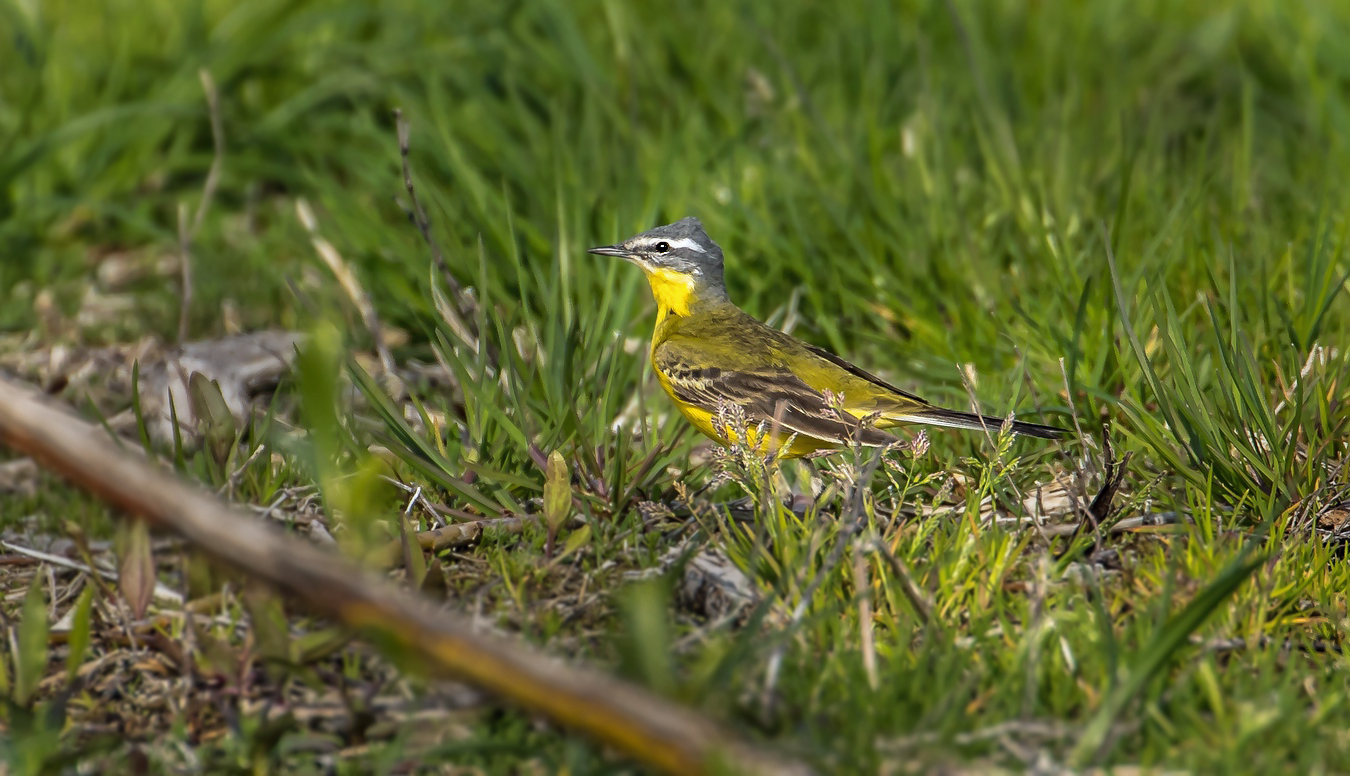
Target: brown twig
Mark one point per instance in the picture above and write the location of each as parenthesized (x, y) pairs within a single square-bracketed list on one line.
[(650, 729), (463, 534), (456, 535)]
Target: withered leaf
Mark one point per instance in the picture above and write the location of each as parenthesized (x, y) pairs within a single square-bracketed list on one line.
[(137, 575)]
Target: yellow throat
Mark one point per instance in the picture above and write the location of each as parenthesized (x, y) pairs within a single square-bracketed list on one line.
[(673, 292)]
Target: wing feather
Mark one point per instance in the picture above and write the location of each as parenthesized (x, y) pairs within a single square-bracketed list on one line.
[(857, 371), (767, 394)]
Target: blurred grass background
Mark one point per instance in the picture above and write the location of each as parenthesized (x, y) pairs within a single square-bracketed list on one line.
[(918, 185)]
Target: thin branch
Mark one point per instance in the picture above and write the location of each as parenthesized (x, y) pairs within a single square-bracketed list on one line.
[(652, 730), (454, 314), (418, 215), (463, 534)]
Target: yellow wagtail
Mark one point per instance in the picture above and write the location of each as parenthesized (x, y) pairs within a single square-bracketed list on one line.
[(710, 355)]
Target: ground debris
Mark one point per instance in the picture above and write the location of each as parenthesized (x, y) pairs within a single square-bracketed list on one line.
[(1063, 494), (19, 477), (714, 587), (122, 269), (246, 367), (197, 666), (1334, 520), (710, 585)]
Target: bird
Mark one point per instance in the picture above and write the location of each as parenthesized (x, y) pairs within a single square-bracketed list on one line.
[(795, 399)]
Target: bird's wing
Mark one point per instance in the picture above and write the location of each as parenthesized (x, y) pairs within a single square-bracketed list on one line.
[(767, 393), (854, 370), (908, 408)]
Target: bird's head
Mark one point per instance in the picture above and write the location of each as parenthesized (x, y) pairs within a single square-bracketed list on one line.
[(680, 260)]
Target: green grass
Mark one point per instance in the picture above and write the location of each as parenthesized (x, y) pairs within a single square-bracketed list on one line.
[(1132, 213)]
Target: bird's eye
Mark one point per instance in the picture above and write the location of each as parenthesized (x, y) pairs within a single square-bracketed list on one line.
[(662, 247)]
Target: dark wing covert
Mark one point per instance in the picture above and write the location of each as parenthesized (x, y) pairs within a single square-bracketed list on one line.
[(763, 393)]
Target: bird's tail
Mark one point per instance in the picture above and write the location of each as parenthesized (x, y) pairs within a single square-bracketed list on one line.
[(936, 416)]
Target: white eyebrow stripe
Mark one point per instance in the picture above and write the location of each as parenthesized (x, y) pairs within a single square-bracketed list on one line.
[(685, 242)]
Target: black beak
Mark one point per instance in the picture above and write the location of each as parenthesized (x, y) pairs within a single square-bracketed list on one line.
[(610, 250)]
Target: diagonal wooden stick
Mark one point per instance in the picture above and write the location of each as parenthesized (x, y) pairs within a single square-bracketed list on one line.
[(648, 728)]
